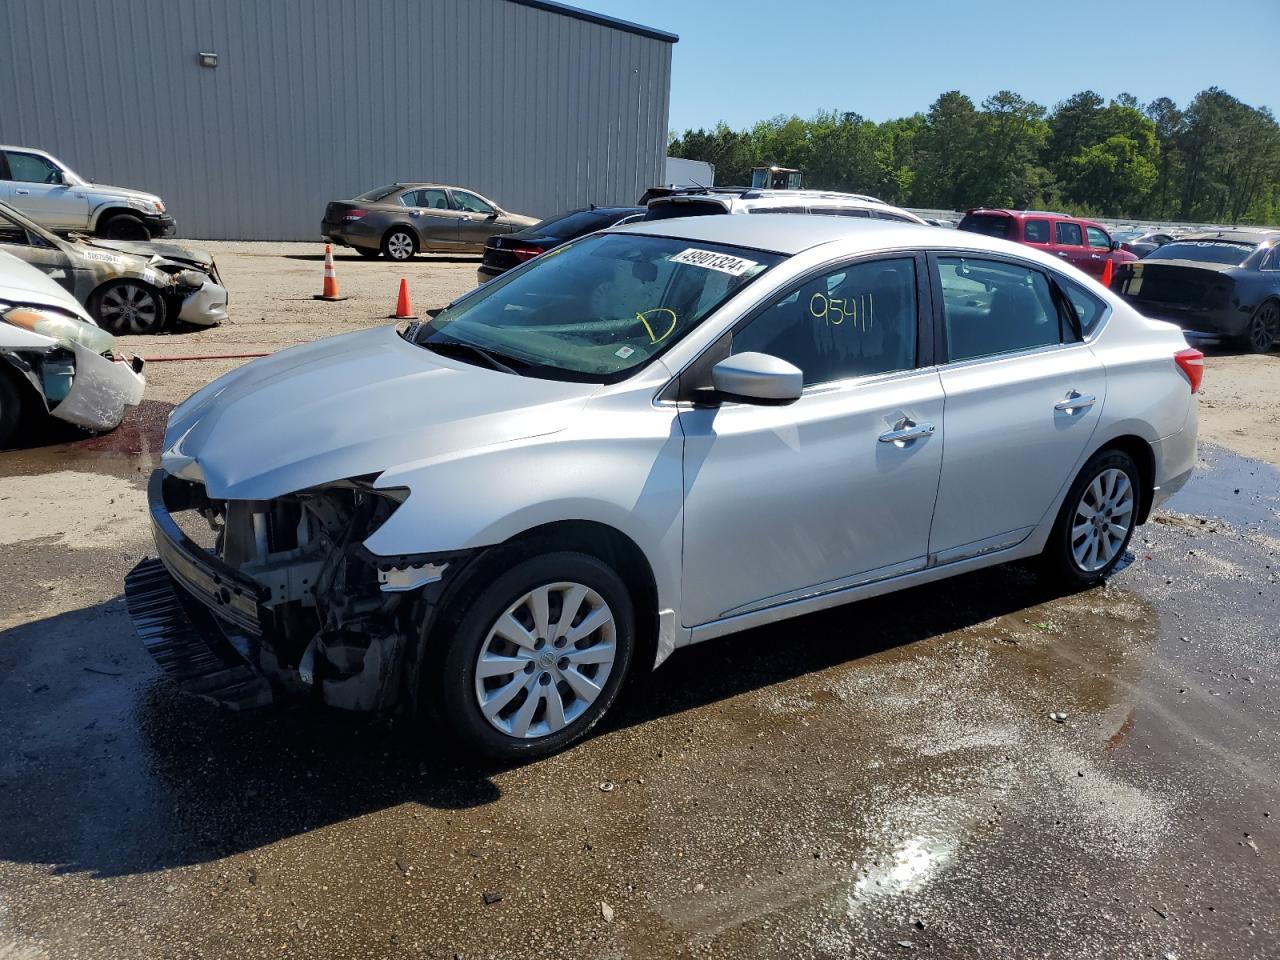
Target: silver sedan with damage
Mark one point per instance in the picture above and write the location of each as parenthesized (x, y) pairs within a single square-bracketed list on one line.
[(647, 438), (128, 286)]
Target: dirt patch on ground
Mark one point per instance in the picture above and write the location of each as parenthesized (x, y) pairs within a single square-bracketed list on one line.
[(272, 286), (1240, 404)]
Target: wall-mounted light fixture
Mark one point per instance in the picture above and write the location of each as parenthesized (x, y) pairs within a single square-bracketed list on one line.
[(208, 59)]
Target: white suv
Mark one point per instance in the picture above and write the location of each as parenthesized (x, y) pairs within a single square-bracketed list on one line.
[(823, 203), (56, 197)]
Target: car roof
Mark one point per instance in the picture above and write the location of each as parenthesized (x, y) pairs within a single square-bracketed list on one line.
[(20, 281), (793, 233), (1235, 235), (14, 146), (1002, 211)]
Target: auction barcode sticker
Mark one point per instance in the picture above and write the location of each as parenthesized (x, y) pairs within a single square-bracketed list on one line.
[(710, 260)]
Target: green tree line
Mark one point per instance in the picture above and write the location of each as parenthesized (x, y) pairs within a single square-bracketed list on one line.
[(1216, 160)]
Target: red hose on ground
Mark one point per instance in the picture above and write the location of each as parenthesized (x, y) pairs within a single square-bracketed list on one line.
[(218, 356)]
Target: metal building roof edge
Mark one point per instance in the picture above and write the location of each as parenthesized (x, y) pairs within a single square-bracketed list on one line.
[(579, 14)]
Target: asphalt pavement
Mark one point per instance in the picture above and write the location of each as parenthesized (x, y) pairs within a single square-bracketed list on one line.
[(976, 768)]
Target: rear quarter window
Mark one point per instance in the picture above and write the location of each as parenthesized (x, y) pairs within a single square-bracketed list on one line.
[(669, 210), (1035, 231)]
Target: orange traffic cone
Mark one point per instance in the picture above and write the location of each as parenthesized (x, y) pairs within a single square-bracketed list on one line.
[(1106, 275), (330, 289), (404, 309)]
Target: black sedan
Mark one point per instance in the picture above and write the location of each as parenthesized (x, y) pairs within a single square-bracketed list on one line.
[(1224, 283), (503, 252)]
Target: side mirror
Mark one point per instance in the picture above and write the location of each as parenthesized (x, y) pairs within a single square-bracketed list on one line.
[(757, 378), (492, 216), (1117, 245), (56, 178)]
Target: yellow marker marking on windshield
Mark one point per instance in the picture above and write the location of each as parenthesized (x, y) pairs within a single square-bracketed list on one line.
[(859, 310), (654, 338)]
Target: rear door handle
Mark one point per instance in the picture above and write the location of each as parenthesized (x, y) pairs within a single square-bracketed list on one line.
[(1075, 401), (906, 432), (23, 192)]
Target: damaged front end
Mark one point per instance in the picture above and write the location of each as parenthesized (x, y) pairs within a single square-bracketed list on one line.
[(252, 600), (71, 365)]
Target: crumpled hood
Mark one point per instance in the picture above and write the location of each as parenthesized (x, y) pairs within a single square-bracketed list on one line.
[(156, 248), (351, 405)]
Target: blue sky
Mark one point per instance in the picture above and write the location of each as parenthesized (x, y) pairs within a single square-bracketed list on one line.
[(747, 60)]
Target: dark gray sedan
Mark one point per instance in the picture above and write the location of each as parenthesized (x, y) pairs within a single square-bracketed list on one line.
[(403, 219), (1220, 283)]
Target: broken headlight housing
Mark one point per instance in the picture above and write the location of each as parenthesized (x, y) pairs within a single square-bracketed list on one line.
[(61, 328)]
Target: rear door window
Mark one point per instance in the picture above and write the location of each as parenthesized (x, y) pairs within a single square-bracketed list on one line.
[(991, 307), (1035, 231), (432, 198), (855, 321), (1068, 234), (1088, 308)]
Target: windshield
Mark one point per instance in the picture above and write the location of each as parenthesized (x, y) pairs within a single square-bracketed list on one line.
[(1205, 251), (593, 310), (989, 224), (377, 193)]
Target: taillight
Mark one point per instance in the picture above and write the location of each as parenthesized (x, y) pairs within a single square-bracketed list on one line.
[(526, 253), (1191, 361), (355, 214)]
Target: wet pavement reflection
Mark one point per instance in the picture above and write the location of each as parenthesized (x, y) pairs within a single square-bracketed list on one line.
[(869, 781)]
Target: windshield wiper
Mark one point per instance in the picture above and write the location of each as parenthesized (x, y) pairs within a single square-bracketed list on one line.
[(446, 347)]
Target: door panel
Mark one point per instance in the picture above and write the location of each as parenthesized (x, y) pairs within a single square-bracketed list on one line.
[(55, 205), (433, 218), (1014, 435), (1068, 243), (477, 219), (803, 498)]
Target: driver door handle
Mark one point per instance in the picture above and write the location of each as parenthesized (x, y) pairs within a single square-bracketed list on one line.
[(1075, 401), (907, 431), (22, 191)]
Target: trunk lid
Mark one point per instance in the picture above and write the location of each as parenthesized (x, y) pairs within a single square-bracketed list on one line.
[(1189, 283)]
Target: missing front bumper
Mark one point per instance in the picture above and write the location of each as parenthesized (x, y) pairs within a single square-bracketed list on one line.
[(186, 642)]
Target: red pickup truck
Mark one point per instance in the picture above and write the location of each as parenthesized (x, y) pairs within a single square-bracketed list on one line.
[(1082, 243)]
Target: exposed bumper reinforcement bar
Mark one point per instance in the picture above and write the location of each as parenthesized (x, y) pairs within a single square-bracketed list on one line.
[(225, 591), (187, 644)]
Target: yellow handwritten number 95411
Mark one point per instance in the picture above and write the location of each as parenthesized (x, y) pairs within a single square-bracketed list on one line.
[(860, 311)]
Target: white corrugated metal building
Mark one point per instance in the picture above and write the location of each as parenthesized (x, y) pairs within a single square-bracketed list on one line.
[(539, 106)]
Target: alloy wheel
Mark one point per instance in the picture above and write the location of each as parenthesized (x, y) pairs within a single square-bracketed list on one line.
[(546, 660), (400, 246), (129, 308), (1102, 520), (1264, 331)]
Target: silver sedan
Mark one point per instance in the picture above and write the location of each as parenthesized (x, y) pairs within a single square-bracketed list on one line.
[(647, 438)]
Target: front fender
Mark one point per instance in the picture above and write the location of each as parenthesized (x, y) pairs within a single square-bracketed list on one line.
[(632, 484)]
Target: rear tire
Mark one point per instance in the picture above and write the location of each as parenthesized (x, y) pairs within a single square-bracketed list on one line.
[(544, 693), (10, 407), (399, 244), (1263, 331), (1096, 521), (124, 226)]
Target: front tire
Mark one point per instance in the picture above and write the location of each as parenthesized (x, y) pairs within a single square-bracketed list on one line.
[(1264, 328), (528, 663), (128, 306), (1096, 521), (399, 245), (367, 253), (125, 226)]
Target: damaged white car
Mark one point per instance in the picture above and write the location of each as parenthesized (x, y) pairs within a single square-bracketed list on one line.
[(648, 437), (55, 360), (127, 286)]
